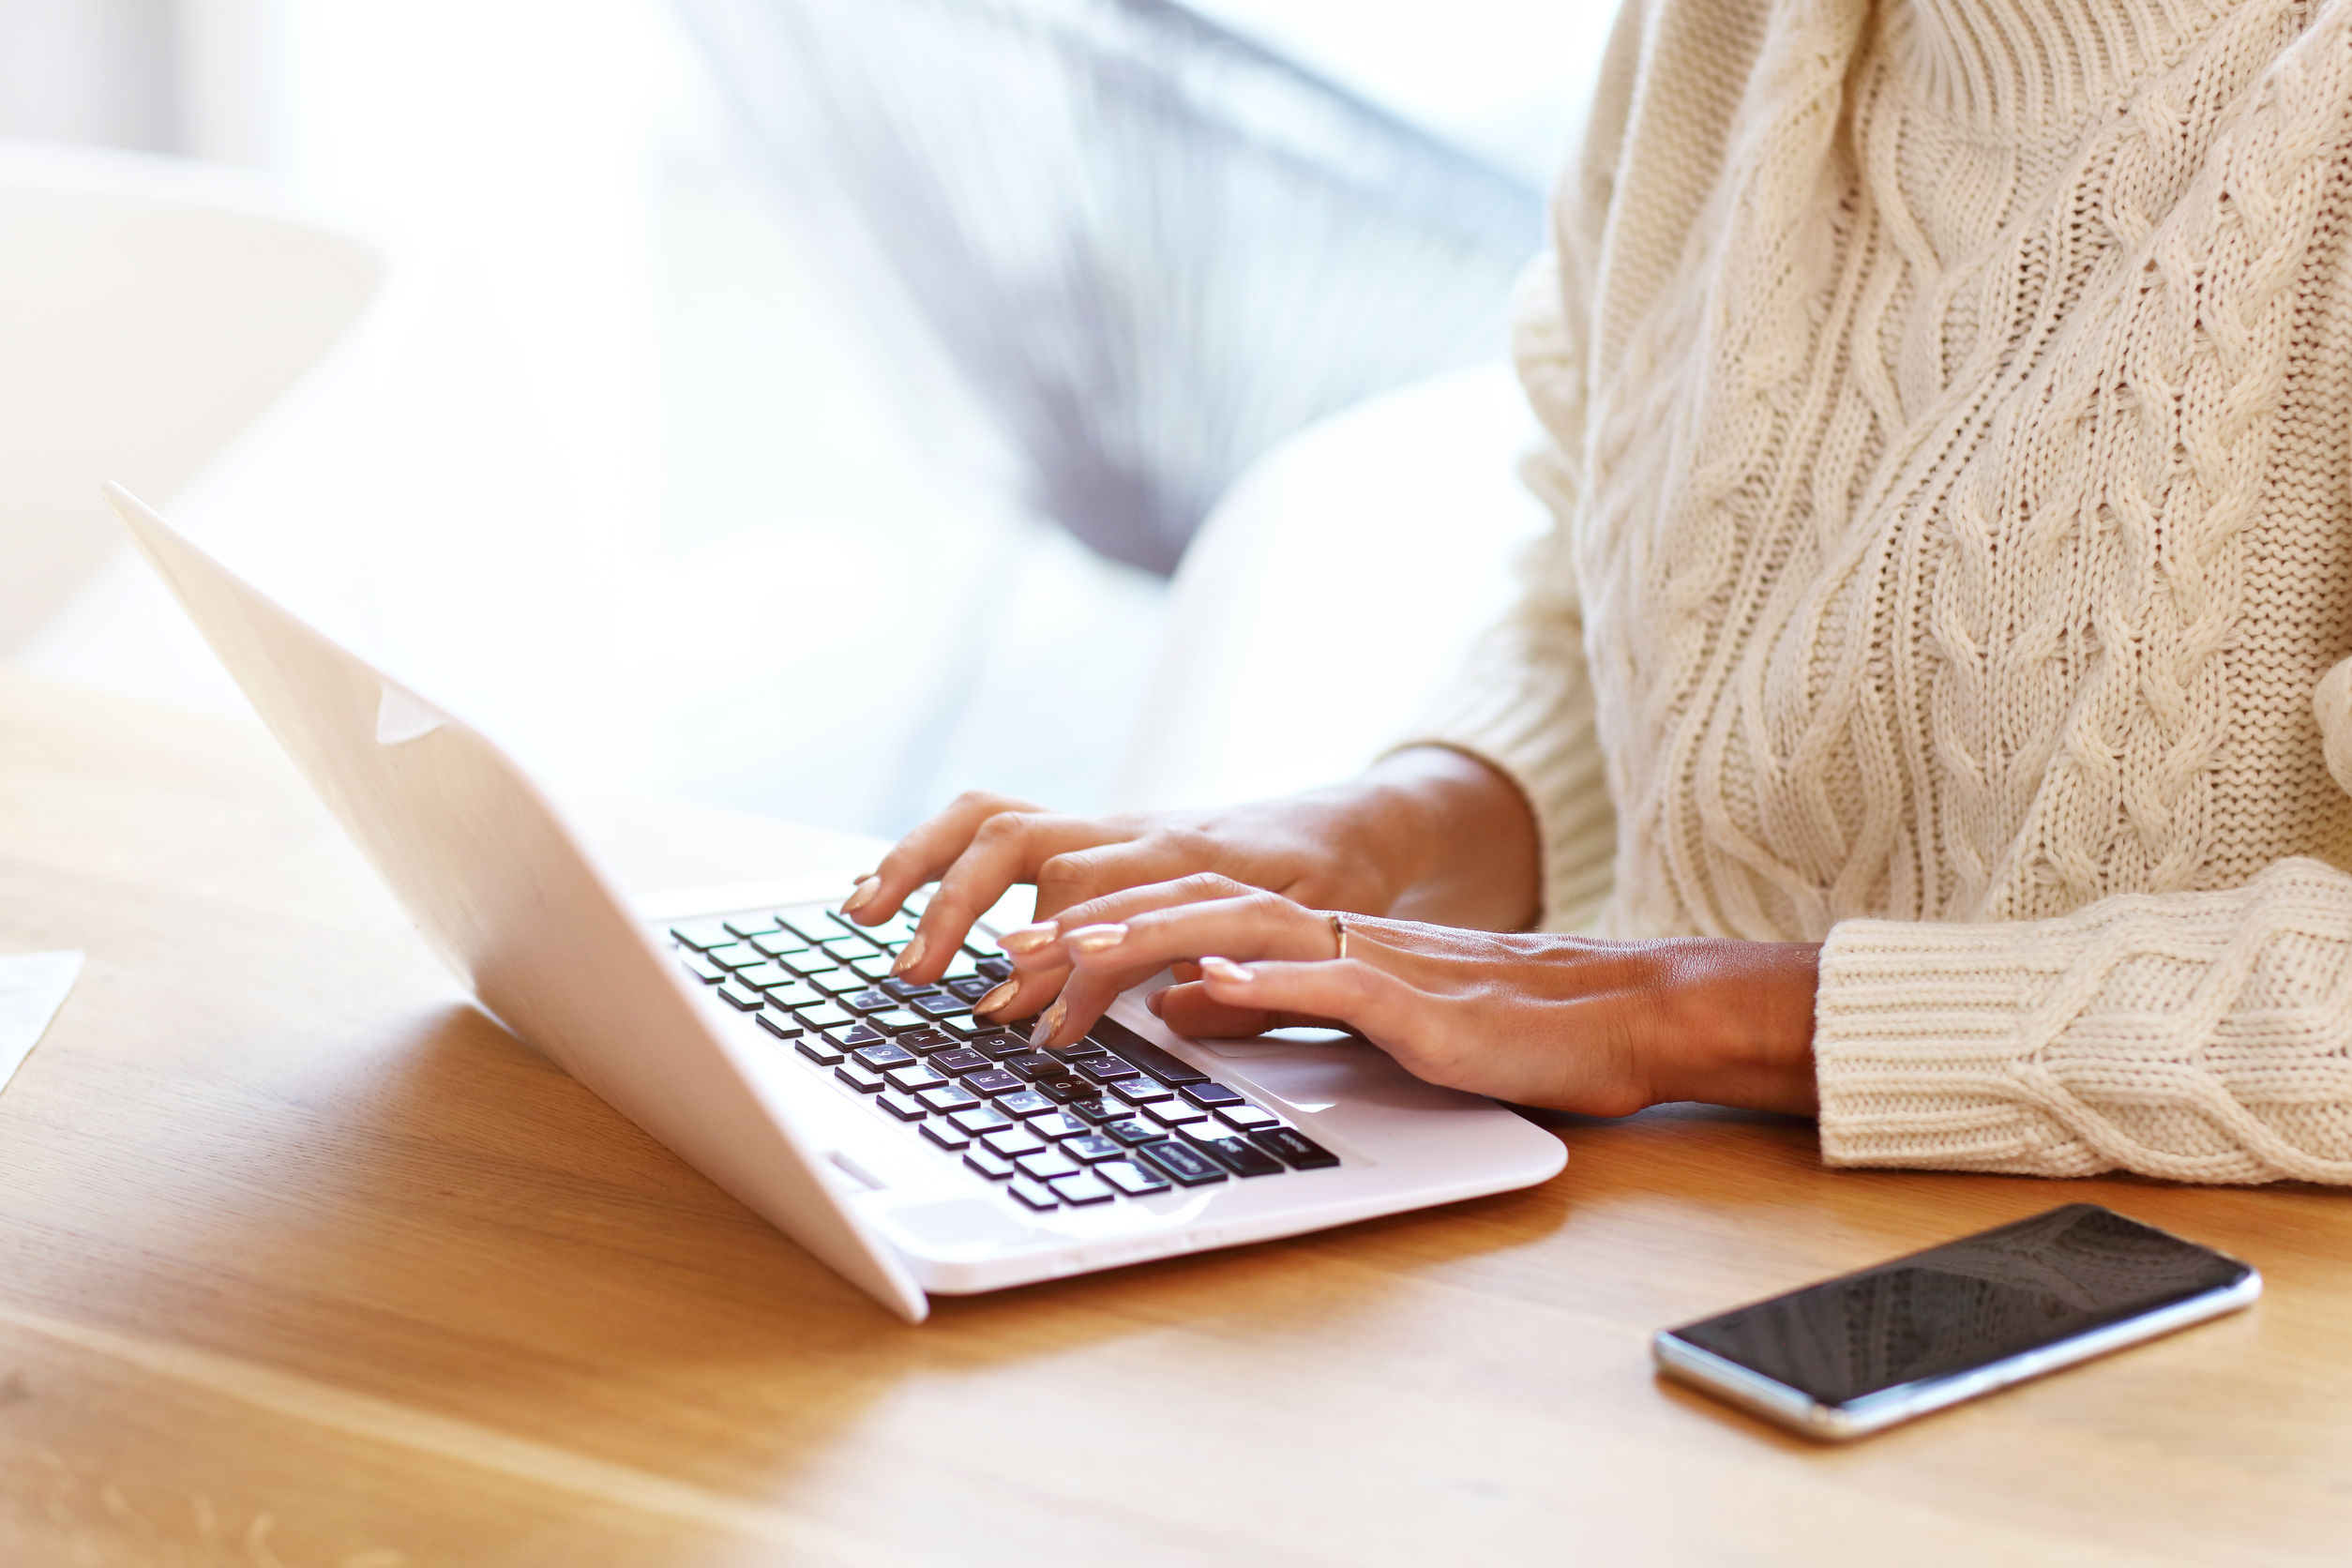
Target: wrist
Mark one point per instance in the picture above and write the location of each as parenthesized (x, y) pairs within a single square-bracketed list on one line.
[(1737, 1027)]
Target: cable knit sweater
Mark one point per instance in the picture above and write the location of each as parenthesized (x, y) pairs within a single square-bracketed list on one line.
[(1951, 409)]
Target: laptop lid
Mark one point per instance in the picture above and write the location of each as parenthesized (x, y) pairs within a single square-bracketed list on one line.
[(503, 892)]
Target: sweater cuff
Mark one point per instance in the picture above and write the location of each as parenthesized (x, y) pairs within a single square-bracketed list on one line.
[(1917, 1034)]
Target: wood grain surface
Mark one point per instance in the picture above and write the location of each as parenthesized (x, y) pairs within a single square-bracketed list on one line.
[(304, 1261)]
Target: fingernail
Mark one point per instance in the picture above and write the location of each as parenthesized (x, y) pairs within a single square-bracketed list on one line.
[(1228, 970), (860, 895), (1047, 1025), (910, 954), (1155, 1001), (1027, 939), (1099, 939), (997, 997)]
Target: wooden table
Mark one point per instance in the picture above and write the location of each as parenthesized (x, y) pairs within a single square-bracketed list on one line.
[(304, 1261)]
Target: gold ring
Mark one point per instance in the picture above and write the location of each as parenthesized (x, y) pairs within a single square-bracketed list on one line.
[(1339, 932)]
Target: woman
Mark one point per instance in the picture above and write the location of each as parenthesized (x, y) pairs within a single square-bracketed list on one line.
[(1935, 690)]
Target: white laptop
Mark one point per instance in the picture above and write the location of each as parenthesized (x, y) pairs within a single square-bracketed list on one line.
[(879, 1125)]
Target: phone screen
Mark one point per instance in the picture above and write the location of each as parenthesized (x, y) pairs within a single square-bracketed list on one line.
[(1966, 1303)]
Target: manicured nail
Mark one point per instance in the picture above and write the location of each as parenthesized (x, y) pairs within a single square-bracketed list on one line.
[(1047, 1025), (1027, 939), (860, 895), (1099, 939), (1228, 970), (1156, 1000), (997, 997), (911, 955)]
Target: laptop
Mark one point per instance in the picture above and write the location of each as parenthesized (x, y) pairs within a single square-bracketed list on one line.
[(906, 1143)]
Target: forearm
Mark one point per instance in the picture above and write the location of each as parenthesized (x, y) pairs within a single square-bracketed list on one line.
[(1456, 836)]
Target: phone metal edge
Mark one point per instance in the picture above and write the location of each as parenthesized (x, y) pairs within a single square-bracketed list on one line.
[(1800, 1412)]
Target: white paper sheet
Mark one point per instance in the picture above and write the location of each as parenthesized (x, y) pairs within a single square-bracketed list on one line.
[(33, 986)]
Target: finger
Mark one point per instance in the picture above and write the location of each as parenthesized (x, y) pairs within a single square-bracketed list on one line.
[(1107, 958), (1251, 926), (924, 853), (1019, 998), (1113, 864), (1004, 849), (1369, 1001), (1192, 1012), (1109, 909)]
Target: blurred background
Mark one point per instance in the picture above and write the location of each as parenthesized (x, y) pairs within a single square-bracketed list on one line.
[(812, 407)]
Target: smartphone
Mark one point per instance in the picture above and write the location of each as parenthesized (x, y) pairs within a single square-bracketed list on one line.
[(1851, 1355)]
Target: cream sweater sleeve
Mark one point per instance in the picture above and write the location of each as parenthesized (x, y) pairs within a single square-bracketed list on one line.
[(2202, 1037)]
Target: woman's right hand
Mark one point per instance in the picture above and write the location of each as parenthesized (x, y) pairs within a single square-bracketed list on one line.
[(1394, 838)]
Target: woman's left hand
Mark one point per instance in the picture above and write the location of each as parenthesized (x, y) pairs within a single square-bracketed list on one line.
[(1603, 1028)]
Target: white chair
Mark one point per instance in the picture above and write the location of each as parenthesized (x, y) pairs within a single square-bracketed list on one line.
[(1333, 592), (150, 307)]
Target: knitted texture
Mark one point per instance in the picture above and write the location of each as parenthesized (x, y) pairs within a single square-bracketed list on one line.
[(1951, 403)]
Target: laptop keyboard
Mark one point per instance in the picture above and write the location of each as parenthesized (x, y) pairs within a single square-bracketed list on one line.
[(1109, 1118)]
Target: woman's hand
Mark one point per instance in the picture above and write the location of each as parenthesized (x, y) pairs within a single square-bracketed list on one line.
[(1427, 832), (1603, 1028)]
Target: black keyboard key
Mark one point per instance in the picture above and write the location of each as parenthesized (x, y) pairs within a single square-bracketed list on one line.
[(749, 925), (762, 975), (949, 1096), (1142, 1090), (1081, 1190), (963, 1029), (906, 1107), (1294, 1149), (1022, 1103), (1130, 1133), (995, 971), (905, 990), (794, 994), (1106, 1069), (962, 967), (1175, 1113), (824, 1015), (871, 999), (1131, 1179), (1064, 1087), (894, 1023), (703, 969), (847, 949), (700, 934), (1053, 1124), (991, 1080), (1238, 1156), (782, 1025), (1093, 1149), (1125, 1042), (882, 1057), (1034, 1063), (970, 989), (733, 956), (837, 982), (815, 926), (813, 960), (864, 1080), (915, 1079), (875, 967), (823, 1052), (779, 944), (857, 1034), (998, 1043), (923, 1042), (994, 1167), (1033, 1195), (959, 1060), (939, 1004), (1250, 1118), (1045, 1164), (1012, 1142), (947, 1136), (1094, 1109), (744, 999), (1210, 1094), (1181, 1163), (981, 1119)]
